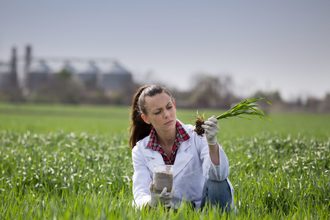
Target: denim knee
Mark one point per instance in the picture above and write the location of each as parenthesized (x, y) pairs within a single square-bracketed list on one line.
[(217, 193)]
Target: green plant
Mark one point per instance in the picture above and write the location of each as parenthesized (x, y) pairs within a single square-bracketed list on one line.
[(245, 107)]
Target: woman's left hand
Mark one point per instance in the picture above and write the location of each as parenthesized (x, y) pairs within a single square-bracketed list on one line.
[(211, 130)]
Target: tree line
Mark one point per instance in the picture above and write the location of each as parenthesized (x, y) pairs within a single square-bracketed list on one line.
[(208, 91)]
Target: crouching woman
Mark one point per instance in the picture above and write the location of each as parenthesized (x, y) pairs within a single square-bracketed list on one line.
[(200, 166)]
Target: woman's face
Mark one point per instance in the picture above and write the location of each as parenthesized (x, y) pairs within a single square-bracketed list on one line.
[(161, 112)]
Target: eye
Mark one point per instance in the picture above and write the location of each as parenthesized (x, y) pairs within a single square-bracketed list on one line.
[(169, 107), (157, 113)]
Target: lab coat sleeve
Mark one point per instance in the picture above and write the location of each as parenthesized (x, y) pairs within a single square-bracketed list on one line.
[(214, 172), (141, 179)]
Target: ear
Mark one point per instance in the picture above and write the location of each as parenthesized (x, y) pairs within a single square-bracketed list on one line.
[(174, 103), (145, 118)]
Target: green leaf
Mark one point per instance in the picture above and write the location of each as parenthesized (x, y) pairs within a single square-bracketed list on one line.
[(245, 107)]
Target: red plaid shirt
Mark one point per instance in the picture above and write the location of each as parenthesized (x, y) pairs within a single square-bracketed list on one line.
[(181, 136)]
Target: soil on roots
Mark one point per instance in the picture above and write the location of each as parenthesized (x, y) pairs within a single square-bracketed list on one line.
[(198, 126)]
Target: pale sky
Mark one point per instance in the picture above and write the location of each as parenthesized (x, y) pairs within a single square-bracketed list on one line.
[(271, 45)]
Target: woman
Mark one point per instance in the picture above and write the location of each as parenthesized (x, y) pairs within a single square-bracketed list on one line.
[(200, 166)]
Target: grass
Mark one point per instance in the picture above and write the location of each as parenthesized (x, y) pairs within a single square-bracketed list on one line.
[(109, 120), (46, 118), (65, 162)]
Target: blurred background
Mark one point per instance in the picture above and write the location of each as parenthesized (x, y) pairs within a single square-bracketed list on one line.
[(210, 54)]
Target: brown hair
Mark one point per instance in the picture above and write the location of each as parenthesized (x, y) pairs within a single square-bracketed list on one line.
[(139, 129)]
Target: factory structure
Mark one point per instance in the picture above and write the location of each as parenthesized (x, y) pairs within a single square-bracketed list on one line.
[(29, 74)]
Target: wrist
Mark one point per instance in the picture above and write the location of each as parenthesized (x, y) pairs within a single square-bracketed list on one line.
[(212, 142), (213, 146)]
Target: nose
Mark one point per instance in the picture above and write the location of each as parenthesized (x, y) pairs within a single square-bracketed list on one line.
[(166, 114)]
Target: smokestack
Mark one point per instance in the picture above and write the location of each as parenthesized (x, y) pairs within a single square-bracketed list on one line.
[(28, 58), (13, 67)]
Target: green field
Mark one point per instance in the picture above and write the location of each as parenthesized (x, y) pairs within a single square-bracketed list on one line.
[(73, 162)]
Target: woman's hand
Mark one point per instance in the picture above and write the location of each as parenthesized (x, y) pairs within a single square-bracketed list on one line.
[(163, 198), (211, 130)]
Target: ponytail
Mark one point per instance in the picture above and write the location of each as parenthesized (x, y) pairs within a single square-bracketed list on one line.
[(139, 129)]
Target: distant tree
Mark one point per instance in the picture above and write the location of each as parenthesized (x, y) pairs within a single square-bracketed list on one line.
[(313, 104), (211, 91), (326, 103), (64, 74), (273, 96)]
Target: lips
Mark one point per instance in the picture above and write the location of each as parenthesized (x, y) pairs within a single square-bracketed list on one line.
[(169, 122)]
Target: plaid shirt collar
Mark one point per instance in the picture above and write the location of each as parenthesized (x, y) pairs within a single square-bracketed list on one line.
[(181, 136)]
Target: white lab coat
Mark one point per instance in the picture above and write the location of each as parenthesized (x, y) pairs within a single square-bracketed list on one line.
[(192, 167)]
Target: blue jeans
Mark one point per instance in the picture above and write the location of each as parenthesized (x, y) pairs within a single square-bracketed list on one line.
[(217, 193)]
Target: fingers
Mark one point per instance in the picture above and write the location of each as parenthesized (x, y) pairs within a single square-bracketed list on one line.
[(213, 119), (211, 123), (165, 195), (166, 201), (163, 191), (209, 127)]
